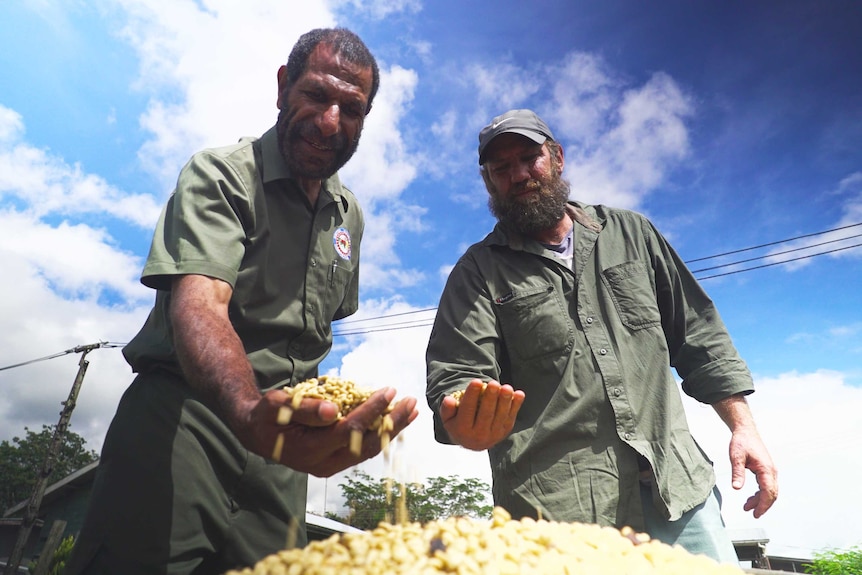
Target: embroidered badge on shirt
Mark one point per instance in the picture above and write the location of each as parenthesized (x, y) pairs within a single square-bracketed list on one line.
[(341, 241)]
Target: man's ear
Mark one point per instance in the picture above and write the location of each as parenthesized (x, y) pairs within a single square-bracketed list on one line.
[(281, 76), (561, 156)]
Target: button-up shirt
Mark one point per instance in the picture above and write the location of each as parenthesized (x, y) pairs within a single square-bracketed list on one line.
[(592, 346), (237, 215)]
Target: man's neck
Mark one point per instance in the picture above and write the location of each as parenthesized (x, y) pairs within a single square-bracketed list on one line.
[(311, 189), (556, 234)]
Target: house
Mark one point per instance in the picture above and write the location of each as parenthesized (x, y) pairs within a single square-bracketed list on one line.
[(67, 500)]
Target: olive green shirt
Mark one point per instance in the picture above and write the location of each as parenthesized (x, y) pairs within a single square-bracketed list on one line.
[(237, 215), (591, 346)]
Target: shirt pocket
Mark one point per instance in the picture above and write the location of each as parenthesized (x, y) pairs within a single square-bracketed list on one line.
[(339, 282), (340, 274), (533, 322), (633, 294)]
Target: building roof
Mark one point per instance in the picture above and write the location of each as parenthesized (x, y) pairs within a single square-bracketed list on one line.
[(318, 527)]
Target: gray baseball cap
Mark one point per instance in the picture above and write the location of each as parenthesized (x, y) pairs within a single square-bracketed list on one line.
[(524, 122)]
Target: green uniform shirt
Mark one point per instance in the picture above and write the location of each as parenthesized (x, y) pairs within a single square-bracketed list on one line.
[(237, 215), (591, 347)]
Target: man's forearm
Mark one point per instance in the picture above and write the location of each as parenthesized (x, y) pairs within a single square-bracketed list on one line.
[(735, 412), (210, 352)]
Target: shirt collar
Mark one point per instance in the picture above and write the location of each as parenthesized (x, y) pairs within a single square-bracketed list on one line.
[(275, 168), (580, 213)]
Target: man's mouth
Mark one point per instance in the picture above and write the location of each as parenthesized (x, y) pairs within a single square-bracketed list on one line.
[(317, 146)]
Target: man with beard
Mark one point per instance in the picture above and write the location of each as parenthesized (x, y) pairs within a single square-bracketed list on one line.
[(256, 252), (581, 311)]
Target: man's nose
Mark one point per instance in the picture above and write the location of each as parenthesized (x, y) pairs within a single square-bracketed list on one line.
[(329, 121), (520, 172)]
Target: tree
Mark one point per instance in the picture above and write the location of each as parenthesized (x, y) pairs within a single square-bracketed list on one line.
[(22, 460), (371, 501), (834, 562)]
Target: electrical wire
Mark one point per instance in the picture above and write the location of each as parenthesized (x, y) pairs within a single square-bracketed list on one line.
[(411, 324), (773, 254), (779, 263), (774, 243), (76, 349)]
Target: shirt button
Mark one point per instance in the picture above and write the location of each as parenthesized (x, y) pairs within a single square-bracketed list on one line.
[(313, 263), (617, 392), (603, 351), (628, 435), (310, 307), (589, 320)]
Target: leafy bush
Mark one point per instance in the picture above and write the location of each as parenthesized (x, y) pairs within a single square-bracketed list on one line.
[(58, 560), (837, 562)]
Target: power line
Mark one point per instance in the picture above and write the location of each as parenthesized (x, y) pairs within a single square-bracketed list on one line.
[(426, 323), (779, 263), (76, 349), (774, 243), (387, 316), (410, 324), (772, 255), (387, 327)]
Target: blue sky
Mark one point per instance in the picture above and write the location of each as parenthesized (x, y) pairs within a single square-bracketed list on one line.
[(730, 124)]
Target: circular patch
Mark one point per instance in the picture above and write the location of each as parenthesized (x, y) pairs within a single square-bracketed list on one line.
[(341, 241)]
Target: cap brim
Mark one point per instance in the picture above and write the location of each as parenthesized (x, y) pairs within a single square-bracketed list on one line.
[(537, 137)]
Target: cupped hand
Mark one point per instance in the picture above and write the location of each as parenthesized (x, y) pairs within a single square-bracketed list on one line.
[(485, 416), (315, 441)]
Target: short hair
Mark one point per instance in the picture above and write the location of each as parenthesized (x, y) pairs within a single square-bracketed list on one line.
[(344, 42)]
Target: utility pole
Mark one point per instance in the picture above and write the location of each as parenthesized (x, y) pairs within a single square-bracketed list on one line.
[(32, 511)]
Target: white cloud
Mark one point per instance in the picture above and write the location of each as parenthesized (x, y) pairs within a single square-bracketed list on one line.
[(47, 185), (621, 141), (195, 79), (66, 276), (210, 69), (584, 95), (500, 86), (75, 260), (381, 266), (810, 423), (380, 9), (37, 322), (382, 167), (416, 456), (645, 137), (844, 241)]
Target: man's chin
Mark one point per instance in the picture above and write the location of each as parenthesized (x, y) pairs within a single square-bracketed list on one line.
[(312, 167)]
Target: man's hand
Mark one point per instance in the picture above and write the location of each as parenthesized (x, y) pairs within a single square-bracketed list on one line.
[(215, 364), (314, 441), (747, 451), (483, 418)]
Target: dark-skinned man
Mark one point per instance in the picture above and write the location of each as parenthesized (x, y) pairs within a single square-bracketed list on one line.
[(256, 253)]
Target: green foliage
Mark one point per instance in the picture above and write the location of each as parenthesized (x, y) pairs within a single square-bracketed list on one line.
[(371, 501), (59, 558), (21, 462), (835, 562)]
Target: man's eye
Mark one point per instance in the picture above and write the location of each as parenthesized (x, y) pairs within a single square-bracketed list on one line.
[(353, 111)]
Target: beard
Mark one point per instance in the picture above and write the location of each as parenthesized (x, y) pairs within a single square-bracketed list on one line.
[(536, 212), (289, 134)]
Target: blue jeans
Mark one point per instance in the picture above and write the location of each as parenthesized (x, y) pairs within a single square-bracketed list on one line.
[(700, 531)]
